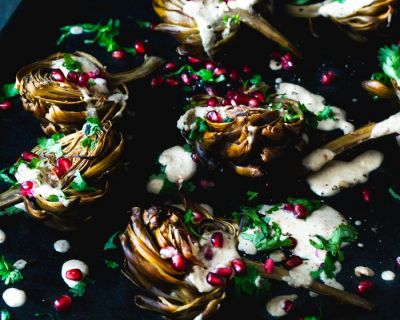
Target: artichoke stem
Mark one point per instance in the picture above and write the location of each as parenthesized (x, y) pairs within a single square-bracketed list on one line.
[(377, 88), (308, 11), (10, 198), (317, 287)]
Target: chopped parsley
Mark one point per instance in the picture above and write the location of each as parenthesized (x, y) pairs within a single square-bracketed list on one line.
[(200, 128), (52, 144), (8, 90), (251, 283), (143, 24), (109, 245), (80, 288), (79, 184), (188, 220), (229, 20), (5, 315), (389, 57), (256, 80), (90, 128), (8, 273), (394, 194), (204, 74), (11, 211), (310, 204), (252, 195), (52, 198), (71, 64), (326, 114), (111, 264)]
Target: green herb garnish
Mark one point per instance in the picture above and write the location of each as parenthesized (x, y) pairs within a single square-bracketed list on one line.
[(5, 315), (389, 57), (310, 204), (111, 264), (80, 288), (326, 114), (251, 195), (394, 194), (188, 220), (52, 144), (11, 211), (8, 273), (246, 284), (8, 91), (53, 198), (201, 128), (228, 20), (256, 79), (79, 184), (109, 245), (71, 64)]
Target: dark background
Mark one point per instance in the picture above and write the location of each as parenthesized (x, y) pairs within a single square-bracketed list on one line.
[(31, 35)]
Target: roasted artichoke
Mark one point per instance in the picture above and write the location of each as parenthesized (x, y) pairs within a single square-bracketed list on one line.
[(60, 89), (204, 27), (243, 138), (63, 175), (358, 18)]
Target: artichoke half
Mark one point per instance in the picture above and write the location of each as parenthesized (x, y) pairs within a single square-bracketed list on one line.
[(358, 22), (63, 176), (243, 138), (61, 89), (205, 27)]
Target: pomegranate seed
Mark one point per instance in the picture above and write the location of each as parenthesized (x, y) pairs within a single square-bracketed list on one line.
[(168, 252), (139, 47), (220, 71), (195, 77), (239, 266), (186, 79), (156, 81), (217, 239), (74, 274), (288, 207), (197, 217), (195, 157), (153, 25), (288, 306), (230, 94), (63, 303), (212, 102), (172, 82), (364, 286), (170, 66), (292, 262), (73, 77), (327, 78), (94, 74), (210, 65), (28, 156), (207, 184), (300, 211), (213, 116), (294, 243), (193, 60), (118, 54), (398, 262), (208, 254), (225, 272), (226, 102), (211, 91), (215, 280), (178, 262), (254, 103), (241, 98), (259, 96), (366, 194), (57, 75), (5, 105), (247, 69), (269, 265), (234, 75), (287, 61), (26, 188), (62, 166), (83, 79)]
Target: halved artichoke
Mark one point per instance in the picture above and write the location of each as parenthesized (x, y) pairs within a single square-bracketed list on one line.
[(62, 104), (370, 16), (205, 27), (247, 139), (62, 176)]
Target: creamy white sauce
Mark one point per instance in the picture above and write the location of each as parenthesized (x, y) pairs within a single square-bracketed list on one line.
[(86, 65), (275, 65), (99, 85), (389, 126), (61, 246), (199, 317), (118, 97), (275, 306), (388, 275), (20, 264), (222, 257), (338, 9), (74, 264), (363, 271), (155, 185), (247, 246), (339, 175), (208, 208), (315, 103), (277, 256), (179, 165), (2, 236), (14, 298), (357, 223), (317, 159), (76, 30)]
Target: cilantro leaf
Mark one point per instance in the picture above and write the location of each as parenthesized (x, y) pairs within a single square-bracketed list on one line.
[(5, 315), (111, 264), (11, 211), (71, 64), (251, 283), (389, 57), (310, 204), (109, 245), (326, 114), (205, 75), (256, 79), (201, 127), (8, 273), (80, 288), (8, 90), (52, 198), (80, 185), (394, 194), (274, 208), (52, 144), (251, 195)]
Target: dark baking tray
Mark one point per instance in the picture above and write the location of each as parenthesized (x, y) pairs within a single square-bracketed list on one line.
[(30, 35)]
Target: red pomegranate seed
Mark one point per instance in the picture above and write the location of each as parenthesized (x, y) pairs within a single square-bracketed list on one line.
[(234, 75), (63, 303), (139, 47), (153, 25), (254, 103), (230, 94), (73, 77), (210, 65), (215, 280), (288, 306), (195, 157), (5, 105), (157, 81), (287, 61), (212, 102), (207, 184), (94, 74), (269, 265), (74, 274), (327, 78), (259, 96), (193, 60), (294, 243), (28, 156), (178, 262), (288, 207), (398, 262), (186, 79), (364, 286), (26, 188), (83, 79), (217, 239), (292, 262), (208, 254), (172, 82), (62, 166), (220, 71), (170, 66), (247, 69), (239, 266), (225, 272), (57, 75), (213, 116), (241, 98), (300, 211), (197, 217), (226, 102), (118, 54), (366, 194), (211, 91), (195, 77)]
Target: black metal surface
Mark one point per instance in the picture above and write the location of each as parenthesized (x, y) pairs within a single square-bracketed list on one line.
[(31, 35)]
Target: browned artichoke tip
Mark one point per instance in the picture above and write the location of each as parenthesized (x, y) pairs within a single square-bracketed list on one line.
[(379, 89), (169, 292), (93, 163), (63, 106), (185, 29), (358, 25)]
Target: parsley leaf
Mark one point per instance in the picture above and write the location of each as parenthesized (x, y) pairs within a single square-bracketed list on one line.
[(251, 283), (188, 220), (80, 185), (11, 211), (8, 273), (200, 129), (52, 144), (8, 90), (111, 264), (109, 245), (326, 114), (5, 315), (256, 79), (143, 24), (71, 64), (251, 195), (80, 288), (310, 204), (394, 194), (389, 57)]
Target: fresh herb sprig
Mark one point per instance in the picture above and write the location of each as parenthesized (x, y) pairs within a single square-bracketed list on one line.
[(111, 264), (110, 243), (252, 195), (80, 288), (310, 204), (199, 129), (11, 211), (8, 273), (52, 144), (251, 284), (5, 315), (394, 194), (389, 58), (8, 91), (79, 184), (188, 220)]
